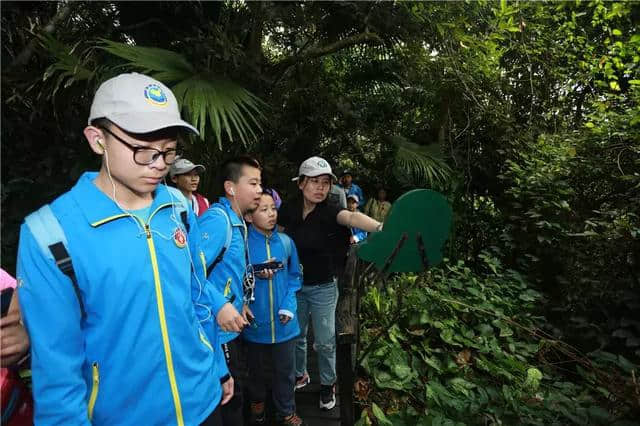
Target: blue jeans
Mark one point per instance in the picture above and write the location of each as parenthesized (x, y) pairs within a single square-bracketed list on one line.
[(320, 302)]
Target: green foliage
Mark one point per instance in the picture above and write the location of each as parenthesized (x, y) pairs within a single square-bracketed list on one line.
[(223, 105), (160, 64), (206, 100), (525, 114), (70, 67), (463, 346), (420, 166)]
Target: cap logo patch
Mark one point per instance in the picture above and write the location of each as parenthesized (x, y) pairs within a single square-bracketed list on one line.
[(321, 163), (155, 95)]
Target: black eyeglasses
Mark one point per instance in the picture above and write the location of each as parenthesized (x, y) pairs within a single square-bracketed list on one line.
[(144, 156)]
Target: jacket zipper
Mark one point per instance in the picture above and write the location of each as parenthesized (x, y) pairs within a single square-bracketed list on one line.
[(163, 321), (204, 263), (273, 324), (95, 374), (160, 303)]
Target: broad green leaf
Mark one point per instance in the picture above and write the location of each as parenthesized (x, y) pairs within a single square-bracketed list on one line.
[(379, 415), (534, 376)]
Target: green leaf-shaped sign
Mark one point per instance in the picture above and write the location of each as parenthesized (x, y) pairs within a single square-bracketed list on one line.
[(419, 212)]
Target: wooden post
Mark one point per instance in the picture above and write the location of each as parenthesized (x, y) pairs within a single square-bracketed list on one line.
[(347, 323), (348, 326), (422, 252)]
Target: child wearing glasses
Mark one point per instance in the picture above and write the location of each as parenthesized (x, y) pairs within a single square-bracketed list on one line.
[(274, 324), (116, 303)]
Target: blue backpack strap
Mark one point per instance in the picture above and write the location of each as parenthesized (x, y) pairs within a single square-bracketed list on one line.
[(286, 242), (48, 233), (183, 207), (227, 242)]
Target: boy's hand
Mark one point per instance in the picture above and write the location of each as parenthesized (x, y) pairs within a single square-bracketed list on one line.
[(247, 314), (15, 341), (229, 319), (267, 274), (227, 391)]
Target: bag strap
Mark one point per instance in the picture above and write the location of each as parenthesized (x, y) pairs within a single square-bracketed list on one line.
[(227, 242), (48, 233), (286, 242)]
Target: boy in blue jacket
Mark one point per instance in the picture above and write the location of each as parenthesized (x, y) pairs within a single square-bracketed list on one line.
[(224, 240), (274, 325), (112, 290)]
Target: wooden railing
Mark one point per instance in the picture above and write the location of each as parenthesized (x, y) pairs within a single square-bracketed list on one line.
[(347, 334)]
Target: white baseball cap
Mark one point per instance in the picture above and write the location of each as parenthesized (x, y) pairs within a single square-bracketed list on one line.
[(182, 166), (137, 104), (355, 197), (315, 166)]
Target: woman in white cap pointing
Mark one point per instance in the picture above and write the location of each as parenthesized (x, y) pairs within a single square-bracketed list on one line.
[(317, 228)]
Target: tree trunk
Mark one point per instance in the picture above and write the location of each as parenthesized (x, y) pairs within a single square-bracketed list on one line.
[(254, 42)]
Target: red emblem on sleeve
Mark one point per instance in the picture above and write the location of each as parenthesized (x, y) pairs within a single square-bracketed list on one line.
[(179, 238)]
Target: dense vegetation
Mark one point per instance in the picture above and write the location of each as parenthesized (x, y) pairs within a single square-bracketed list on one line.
[(524, 114)]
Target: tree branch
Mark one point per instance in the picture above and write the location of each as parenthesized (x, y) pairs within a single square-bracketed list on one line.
[(141, 24), (317, 52), (26, 54)]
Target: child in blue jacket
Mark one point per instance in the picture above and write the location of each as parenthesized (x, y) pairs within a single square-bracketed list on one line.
[(357, 234), (120, 315), (275, 325)]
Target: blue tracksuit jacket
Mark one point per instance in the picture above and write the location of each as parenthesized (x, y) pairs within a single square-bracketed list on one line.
[(277, 295), (146, 353), (227, 274), (360, 234)]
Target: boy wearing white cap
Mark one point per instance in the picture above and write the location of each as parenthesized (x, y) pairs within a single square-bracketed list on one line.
[(186, 176), (119, 311)]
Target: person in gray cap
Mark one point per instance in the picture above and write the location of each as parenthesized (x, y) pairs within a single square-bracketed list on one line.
[(186, 176), (121, 317), (319, 229)]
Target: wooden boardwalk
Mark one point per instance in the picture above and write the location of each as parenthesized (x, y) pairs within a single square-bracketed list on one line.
[(308, 398)]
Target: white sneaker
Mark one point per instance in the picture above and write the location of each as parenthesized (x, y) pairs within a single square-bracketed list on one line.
[(302, 381), (327, 397)]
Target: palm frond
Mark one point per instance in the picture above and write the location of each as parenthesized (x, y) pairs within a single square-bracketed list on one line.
[(161, 64), (69, 66), (208, 103), (419, 165), (223, 105)]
